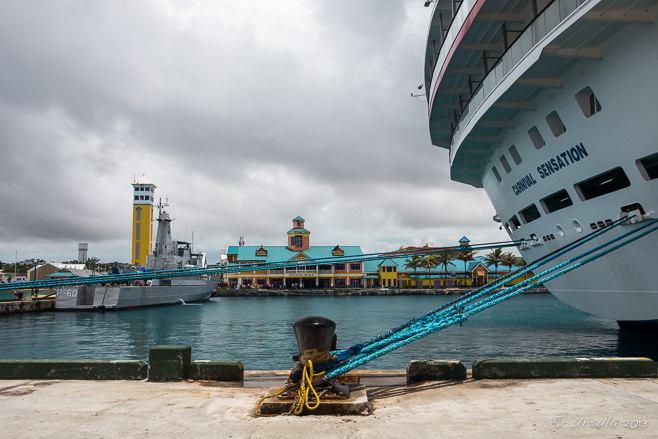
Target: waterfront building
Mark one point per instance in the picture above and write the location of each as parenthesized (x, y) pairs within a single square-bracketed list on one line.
[(43, 271), (299, 248), (398, 272), (143, 199), (72, 272)]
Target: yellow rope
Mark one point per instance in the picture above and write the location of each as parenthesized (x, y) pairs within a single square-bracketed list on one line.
[(305, 387), (283, 389)]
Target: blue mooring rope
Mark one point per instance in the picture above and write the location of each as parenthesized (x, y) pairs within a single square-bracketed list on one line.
[(447, 316)]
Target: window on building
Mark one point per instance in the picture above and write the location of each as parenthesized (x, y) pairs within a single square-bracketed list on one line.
[(588, 102), (515, 155), (529, 214), (137, 231), (296, 241), (536, 137), (602, 184), (339, 282), (505, 163), (496, 174), (138, 214), (555, 124), (339, 267), (355, 266), (558, 200), (136, 197), (648, 167), (137, 250)]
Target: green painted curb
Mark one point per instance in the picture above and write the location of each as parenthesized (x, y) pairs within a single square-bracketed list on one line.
[(434, 370), (217, 371), (523, 368), (73, 369), (169, 363)]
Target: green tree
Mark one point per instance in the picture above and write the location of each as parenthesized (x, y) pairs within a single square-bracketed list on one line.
[(414, 263), (445, 259), (428, 263), (92, 263), (465, 256), (495, 257)]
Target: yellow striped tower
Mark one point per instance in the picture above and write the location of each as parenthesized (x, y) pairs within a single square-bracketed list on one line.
[(144, 196)]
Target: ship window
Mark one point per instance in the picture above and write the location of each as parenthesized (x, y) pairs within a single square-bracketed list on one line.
[(558, 200), (514, 222), (509, 232), (555, 124), (588, 102), (536, 137), (648, 167), (602, 184), (496, 174), (515, 155), (529, 214), (505, 163)]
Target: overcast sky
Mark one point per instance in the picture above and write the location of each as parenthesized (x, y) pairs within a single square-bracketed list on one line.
[(244, 115)]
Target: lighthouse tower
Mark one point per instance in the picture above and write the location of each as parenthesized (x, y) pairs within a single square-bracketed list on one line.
[(143, 200)]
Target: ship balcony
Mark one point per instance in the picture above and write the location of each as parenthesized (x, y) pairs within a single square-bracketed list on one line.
[(495, 57)]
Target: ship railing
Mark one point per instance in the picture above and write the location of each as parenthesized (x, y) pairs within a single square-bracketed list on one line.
[(458, 21), (531, 41)]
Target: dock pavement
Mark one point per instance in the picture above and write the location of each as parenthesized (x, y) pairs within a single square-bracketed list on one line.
[(511, 408)]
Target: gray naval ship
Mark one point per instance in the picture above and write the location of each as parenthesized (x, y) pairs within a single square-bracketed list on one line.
[(168, 255)]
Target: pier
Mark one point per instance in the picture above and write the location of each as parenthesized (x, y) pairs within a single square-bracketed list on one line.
[(26, 305), (468, 408)]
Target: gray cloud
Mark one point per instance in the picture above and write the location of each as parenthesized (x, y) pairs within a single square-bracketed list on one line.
[(243, 115)]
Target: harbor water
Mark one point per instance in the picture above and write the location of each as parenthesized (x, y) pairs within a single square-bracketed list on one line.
[(258, 331)]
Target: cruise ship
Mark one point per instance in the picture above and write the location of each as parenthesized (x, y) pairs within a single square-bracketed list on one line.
[(552, 108)]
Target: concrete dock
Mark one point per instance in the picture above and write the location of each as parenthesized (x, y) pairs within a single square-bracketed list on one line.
[(612, 407)]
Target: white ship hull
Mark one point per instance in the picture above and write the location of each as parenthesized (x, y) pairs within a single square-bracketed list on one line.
[(611, 50)]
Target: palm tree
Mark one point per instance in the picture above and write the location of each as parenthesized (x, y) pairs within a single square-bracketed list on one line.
[(443, 259), (508, 260), (466, 256), (494, 258), (428, 263), (415, 262), (92, 262)]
